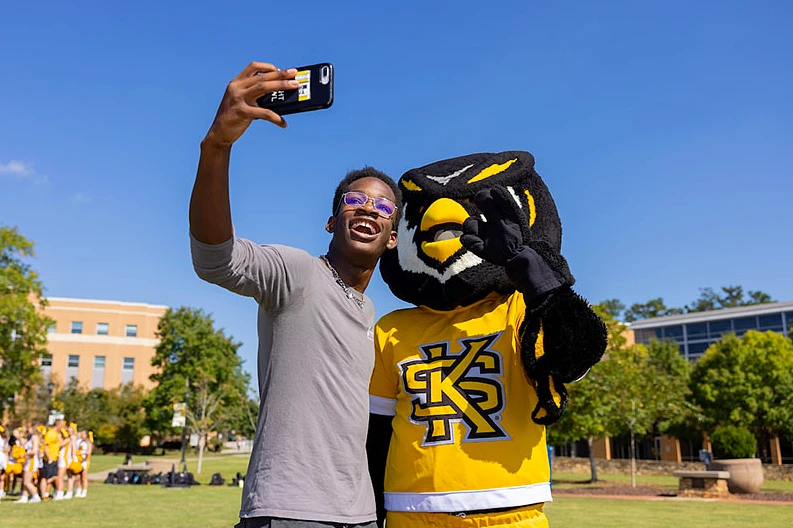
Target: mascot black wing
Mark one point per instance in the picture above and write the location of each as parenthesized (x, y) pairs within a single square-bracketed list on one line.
[(514, 242)]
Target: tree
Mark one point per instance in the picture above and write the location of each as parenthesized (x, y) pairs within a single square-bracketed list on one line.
[(612, 308), (758, 297), (731, 297), (650, 309), (709, 299), (23, 329), (589, 410), (672, 376), (33, 404), (115, 415), (198, 365), (747, 382), (645, 387), (633, 388), (587, 415)]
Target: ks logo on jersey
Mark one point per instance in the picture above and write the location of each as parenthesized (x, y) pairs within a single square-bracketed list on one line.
[(451, 387)]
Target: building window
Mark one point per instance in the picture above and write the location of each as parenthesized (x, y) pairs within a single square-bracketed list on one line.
[(72, 368), (128, 370), (51, 328), (697, 349), (46, 366), (98, 374), (674, 332), (697, 331), (102, 328), (77, 327), (131, 331), (645, 336), (743, 324), (719, 327), (770, 322)]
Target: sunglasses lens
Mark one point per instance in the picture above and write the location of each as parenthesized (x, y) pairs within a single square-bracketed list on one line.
[(355, 198), (384, 206)]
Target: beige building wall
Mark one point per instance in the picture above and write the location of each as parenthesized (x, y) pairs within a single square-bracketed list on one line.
[(123, 333)]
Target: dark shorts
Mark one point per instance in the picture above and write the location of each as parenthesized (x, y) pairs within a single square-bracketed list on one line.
[(49, 470), (274, 522)]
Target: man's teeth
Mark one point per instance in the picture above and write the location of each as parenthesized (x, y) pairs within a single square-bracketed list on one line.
[(364, 226), (447, 234)]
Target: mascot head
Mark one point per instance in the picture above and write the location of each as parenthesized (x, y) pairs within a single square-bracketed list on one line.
[(429, 266)]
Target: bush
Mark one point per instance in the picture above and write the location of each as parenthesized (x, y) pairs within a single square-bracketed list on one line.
[(733, 442)]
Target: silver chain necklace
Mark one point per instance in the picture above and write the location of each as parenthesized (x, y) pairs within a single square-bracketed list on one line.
[(347, 291)]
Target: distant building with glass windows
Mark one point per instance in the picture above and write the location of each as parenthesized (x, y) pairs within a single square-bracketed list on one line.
[(695, 332), (102, 344)]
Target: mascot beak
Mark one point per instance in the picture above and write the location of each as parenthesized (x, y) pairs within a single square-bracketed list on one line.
[(441, 227)]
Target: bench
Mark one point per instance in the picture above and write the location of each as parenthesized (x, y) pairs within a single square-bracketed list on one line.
[(703, 484)]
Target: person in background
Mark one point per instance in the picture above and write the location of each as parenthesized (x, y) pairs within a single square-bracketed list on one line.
[(84, 449), (16, 457), (63, 448), (49, 471), (3, 459), (30, 468), (73, 467)]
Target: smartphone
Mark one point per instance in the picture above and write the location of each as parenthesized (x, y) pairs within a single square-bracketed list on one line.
[(314, 93)]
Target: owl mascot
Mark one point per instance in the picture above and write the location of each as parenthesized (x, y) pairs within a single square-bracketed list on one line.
[(466, 381)]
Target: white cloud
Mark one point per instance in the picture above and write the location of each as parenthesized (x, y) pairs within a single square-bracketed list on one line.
[(81, 197), (16, 167), (19, 170)]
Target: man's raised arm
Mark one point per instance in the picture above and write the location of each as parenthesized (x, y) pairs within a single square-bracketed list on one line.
[(210, 211)]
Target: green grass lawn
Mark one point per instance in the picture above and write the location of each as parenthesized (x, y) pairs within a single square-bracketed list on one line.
[(226, 464), (208, 507), (568, 480), (606, 513), (127, 506)]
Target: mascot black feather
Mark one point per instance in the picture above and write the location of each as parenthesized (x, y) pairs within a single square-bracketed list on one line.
[(465, 382)]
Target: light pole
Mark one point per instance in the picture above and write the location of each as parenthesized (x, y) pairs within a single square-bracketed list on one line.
[(50, 389), (183, 462)]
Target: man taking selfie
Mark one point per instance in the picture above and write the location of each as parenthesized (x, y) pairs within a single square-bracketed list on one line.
[(308, 467)]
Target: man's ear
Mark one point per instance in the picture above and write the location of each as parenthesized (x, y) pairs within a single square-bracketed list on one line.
[(392, 240), (331, 225)]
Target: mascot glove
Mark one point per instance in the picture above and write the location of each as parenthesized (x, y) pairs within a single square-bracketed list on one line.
[(504, 239)]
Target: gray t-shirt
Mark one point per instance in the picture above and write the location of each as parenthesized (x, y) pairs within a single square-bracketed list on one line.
[(316, 355)]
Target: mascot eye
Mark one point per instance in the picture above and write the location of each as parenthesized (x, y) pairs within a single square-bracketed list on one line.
[(492, 170)]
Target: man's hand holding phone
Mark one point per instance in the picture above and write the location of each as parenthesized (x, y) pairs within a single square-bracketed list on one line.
[(238, 107)]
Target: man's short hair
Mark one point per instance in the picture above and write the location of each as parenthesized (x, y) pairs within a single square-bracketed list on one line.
[(368, 172)]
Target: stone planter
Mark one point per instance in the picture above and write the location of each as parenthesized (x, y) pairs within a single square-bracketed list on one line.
[(746, 474)]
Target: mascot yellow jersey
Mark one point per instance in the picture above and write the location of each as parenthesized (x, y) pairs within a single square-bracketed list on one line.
[(459, 400)]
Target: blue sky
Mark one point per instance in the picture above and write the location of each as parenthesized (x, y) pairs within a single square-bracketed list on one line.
[(664, 131)]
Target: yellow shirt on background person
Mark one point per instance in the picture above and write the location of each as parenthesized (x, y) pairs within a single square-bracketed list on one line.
[(51, 441)]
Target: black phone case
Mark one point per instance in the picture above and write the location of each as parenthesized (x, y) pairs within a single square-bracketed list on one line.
[(311, 95)]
